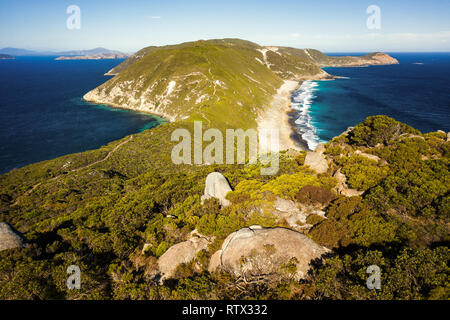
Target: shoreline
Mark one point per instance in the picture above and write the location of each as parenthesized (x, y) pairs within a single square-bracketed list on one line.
[(166, 117), (293, 114), (279, 116)]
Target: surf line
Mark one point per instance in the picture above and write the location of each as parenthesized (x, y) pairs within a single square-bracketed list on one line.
[(301, 101)]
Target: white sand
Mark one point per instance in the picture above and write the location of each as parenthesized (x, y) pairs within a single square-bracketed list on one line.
[(276, 117)]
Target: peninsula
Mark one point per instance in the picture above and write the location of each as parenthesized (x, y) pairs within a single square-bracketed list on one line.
[(229, 83)]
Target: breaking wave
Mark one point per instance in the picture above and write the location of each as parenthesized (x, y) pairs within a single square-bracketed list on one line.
[(301, 101)]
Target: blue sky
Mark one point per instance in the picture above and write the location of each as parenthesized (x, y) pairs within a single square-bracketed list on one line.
[(129, 25)]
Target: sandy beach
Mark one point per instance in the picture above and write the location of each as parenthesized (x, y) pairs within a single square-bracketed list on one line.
[(277, 116)]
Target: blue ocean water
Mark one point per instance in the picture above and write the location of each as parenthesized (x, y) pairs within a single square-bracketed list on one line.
[(416, 92), (42, 115)]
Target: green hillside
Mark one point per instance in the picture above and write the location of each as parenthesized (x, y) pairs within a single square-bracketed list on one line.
[(225, 82), (96, 209), (116, 210)]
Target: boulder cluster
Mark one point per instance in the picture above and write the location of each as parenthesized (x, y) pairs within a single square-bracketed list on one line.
[(253, 251)]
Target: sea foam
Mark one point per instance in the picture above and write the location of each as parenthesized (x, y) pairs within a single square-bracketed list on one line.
[(301, 100)]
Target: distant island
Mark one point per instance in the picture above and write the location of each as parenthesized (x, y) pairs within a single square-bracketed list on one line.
[(6, 57), (95, 57), (91, 52)]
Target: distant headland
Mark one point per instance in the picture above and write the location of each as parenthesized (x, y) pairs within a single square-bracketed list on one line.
[(6, 57), (95, 57), (100, 53)]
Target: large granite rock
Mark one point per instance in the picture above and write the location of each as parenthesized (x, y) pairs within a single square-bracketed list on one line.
[(10, 238), (183, 252), (256, 251), (217, 186), (316, 161)]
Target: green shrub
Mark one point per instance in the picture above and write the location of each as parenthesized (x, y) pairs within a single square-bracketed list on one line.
[(314, 219), (362, 173), (378, 129), (314, 195)]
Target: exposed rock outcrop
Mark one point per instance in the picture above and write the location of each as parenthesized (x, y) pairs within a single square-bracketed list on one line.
[(217, 186), (316, 161), (294, 215), (342, 187), (367, 155), (183, 252), (320, 148), (347, 131), (264, 252), (10, 238)]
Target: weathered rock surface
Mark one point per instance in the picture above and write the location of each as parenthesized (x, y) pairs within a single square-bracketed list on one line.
[(320, 148), (347, 131), (367, 155), (10, 238), (294, 215), (258, 251), (217, 186), (316, 161), (183, 252), (342, 187), (409, 136)]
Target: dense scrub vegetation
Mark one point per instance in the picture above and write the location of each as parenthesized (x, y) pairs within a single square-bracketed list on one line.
[(99, 217)]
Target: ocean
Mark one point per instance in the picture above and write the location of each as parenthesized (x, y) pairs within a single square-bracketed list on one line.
[(43, 116), (415, 92)]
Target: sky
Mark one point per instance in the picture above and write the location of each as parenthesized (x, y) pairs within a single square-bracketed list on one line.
[(129, 25)]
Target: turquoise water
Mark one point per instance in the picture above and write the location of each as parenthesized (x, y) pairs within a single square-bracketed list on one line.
[(43, 116), (415, 92)]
